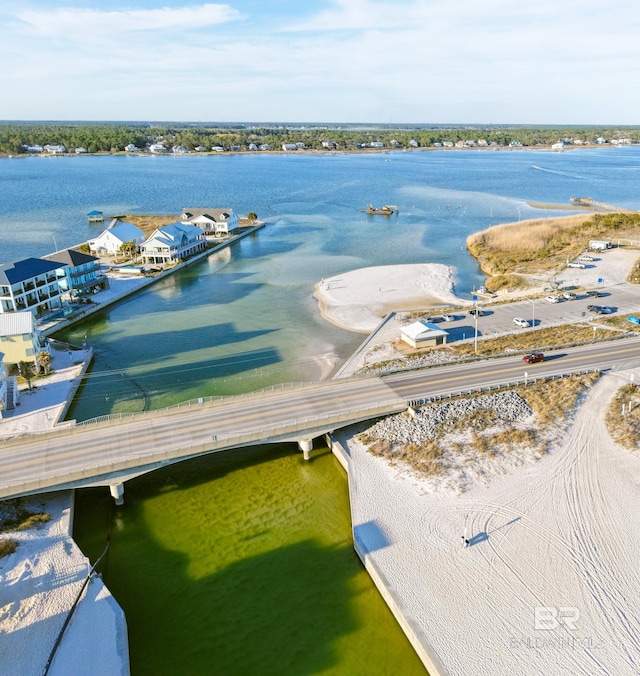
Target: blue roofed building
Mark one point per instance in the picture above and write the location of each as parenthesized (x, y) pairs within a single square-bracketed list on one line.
[(170, 244), (81, 274), (30, 284)]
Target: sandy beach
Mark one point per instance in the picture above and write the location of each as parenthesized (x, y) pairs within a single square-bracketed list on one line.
[(358, 300), (558, 535)]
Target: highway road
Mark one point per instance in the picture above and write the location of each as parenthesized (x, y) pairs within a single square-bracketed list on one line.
[(120, 447)]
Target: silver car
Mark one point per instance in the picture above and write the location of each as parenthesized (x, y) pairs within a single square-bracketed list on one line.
[(522, 323)]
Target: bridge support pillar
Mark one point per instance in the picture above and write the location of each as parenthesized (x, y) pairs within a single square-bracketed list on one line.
[(305, 445), (117, 493)]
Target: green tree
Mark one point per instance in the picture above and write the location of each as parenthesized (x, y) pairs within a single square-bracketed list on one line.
[(27, 370), (44, 360), (129, 248), (252, 216)]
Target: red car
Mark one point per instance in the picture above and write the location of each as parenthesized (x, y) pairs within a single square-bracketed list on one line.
[(533, 358)]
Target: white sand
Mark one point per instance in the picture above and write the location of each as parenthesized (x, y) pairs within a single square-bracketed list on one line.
[(41, 579), (562, 532), (39, 583), (360, 299)]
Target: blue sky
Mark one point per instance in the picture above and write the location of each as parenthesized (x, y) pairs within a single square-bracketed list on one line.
[(398, 61)]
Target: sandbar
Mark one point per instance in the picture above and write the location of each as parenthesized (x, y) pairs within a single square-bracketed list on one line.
[(358, 300)]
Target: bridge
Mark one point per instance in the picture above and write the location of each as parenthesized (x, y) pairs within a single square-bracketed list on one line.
[(111, 450)]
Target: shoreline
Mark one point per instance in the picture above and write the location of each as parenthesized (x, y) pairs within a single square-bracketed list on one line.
[(316, 151)]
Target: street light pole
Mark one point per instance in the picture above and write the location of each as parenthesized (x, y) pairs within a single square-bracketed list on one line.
[(533, 313), (475, 340)]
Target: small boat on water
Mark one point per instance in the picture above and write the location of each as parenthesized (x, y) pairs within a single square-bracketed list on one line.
[(386, 210)]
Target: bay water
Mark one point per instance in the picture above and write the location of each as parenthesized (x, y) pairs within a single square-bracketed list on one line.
[(233, 563)]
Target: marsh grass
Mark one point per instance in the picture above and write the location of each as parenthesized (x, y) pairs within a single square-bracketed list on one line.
[(625, 429), (539, 245), (149, 222)]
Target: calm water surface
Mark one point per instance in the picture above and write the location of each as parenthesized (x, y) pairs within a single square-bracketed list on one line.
[(243, 563)]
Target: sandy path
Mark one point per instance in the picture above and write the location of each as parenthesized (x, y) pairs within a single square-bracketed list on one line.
[(561, 533)]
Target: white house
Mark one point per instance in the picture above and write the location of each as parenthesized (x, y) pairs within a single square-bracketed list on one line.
[(108, 243), (131, 148), (55, 149), (156, 148), (211, 221), (172, 243), (423, 334), (289, 146)]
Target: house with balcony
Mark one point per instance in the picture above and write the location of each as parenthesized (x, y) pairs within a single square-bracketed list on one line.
[(81, 274), (30, 284), (108, 243), (218, 222), (8, 389), (171, 244), (20, 340)]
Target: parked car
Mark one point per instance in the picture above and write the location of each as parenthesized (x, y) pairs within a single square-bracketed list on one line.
[(594, 293), (434, 320), (569, 295), (600, 309), (533, 358), (576, 264), (552, 299), (523, 323), (448, 318), (476, 311), (585, 258)]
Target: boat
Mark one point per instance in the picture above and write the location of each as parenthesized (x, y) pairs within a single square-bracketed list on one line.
[(386, 210)]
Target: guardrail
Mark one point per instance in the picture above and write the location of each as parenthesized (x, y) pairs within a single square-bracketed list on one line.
[(415, 403)]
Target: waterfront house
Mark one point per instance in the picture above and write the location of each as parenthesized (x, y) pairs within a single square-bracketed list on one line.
[(81, 273), (329, 145), (30, 284), (218, 222), (20, 340), (108, 243), (131, 148), (170, 244), (156, 148), (55, 149), (252, 146), (289, 146), (8, 388), (423, 334)]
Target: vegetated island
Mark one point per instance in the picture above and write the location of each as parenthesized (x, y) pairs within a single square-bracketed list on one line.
[(516, 255)]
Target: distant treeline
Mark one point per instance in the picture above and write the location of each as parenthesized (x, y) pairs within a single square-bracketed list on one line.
[(114, 137)]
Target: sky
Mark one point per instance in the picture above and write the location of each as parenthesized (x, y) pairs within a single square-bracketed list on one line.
[(369, 61)]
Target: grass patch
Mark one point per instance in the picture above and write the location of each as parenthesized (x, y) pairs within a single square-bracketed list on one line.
[(625, 429), (7, 546), (17, 517), (507, 282), (533, 246), (149, 222)]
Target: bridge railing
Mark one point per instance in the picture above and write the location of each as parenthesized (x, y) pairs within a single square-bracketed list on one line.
[(108, 470), (200, 401)]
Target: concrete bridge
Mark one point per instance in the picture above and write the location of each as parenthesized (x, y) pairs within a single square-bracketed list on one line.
[(111, 450)]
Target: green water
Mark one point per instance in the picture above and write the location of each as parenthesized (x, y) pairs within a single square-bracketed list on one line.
[(243, 563)]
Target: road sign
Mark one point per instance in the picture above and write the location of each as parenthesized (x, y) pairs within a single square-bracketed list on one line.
[(474, 297), (600, 280)]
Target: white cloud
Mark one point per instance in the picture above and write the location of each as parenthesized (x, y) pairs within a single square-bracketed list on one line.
[(74, 21)]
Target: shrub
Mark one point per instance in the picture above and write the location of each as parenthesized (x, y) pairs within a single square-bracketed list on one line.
[(7, 546)]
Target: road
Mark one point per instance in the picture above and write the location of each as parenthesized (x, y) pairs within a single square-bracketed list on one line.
[(100, 451)]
